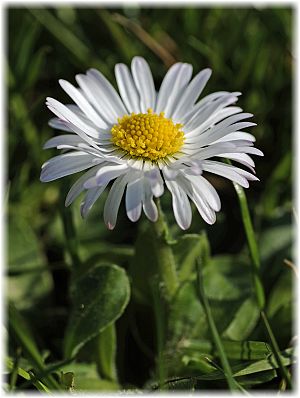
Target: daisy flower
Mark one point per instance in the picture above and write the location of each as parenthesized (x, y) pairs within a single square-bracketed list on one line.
[(144, 141)]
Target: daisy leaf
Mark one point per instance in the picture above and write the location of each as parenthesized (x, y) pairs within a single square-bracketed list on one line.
[(100, 296)]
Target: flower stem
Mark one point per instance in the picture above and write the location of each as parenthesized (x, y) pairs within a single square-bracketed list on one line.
[(164, 256), (212, 326), (258, 286), (69, 231), (284, 372)]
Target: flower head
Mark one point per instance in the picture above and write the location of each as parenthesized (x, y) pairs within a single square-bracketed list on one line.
[(144, 141)]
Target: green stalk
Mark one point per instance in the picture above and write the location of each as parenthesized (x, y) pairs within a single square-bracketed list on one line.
[(160, 331), (25, 338), (27, 376), (276, 351), (258, 286), (164, 256), (214, 331), (106, 350), (69, 230)]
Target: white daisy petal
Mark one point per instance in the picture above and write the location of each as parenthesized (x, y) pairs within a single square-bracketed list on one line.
[(206, 212), (150, 209), (59, 124), (204, 102), (108, 92), (249, 149), (191, 94), (83, 104), (204, 187), (175, 81), (231, 172), (127, 88), (67, 139), (242, 158), (90, 198), (149, 205), (216, 132), (69, 163), (73, 121), (156, 182), (239, 135), (97, 98), (209, 151), (106, 174), (206, 115), (199, 199), (133, 199), (216, 117), (143, 80), (181, 205), (113, 201), (78, 186)]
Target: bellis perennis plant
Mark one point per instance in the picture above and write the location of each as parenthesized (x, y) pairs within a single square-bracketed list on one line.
[(144, 141)]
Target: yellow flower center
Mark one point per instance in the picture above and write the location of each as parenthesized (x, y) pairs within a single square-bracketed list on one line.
[(147, 135)]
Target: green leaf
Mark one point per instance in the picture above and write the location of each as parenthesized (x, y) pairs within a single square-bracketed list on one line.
[(106, 344), (25, 254), (99, 298), (250, 368), (244, 320), (226, 278), (242, 350), (187, 318), (23, 334), (274, 240), (257, 378), (27, 376), (186, 251), (143, 266), (281, 294), (280, 307), (86, 378), (25, 337), (287, 357), (67, 381)]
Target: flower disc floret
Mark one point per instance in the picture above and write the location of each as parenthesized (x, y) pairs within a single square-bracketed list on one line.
[(147, 135)]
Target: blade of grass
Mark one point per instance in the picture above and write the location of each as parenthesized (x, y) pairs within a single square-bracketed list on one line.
[(258, 286), (123, 42), (26, 375), (25, 338), (146, 38), (232, 384), (62, 34), (54, 367), (14, 370), (22, 116), (238, 386), (66, 37)]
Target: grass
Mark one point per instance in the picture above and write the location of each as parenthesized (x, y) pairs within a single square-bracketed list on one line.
[(51, 249)]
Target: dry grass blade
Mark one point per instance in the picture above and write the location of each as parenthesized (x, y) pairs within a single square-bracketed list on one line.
[(292, 266), (145, 38)]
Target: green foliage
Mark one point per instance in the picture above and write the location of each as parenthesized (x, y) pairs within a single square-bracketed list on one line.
[(71, 323), (100, 296), (29, 277)]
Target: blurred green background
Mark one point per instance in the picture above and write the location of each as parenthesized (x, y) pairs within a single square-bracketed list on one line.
[(249, 50)]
